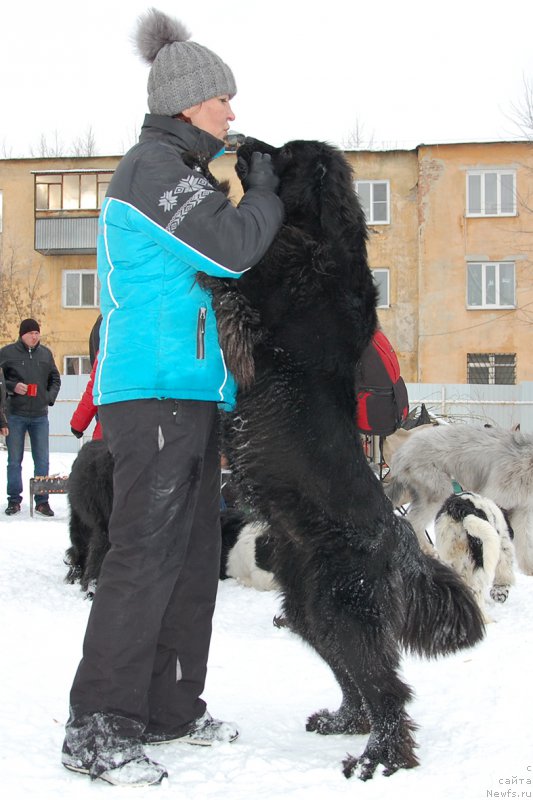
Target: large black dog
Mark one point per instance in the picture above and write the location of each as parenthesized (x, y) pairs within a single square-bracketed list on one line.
[(355, 584)]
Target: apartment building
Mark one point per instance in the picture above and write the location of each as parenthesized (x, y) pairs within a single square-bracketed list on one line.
[(450, 244)]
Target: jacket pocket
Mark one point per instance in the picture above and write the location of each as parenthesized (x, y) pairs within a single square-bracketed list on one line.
[(200, 333)]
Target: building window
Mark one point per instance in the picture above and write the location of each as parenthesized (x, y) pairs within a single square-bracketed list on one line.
[(492, 368), (491, 284), (374, 197), (76, 365), (490, 194), (81, 289), (381, 279), (69, 191)]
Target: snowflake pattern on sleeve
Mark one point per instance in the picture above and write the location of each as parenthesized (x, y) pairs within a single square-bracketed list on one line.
[(193, 184)]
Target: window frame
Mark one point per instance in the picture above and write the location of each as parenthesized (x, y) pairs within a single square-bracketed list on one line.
[(81, 360), (96, 290), (483, 173), (385, 270), (491, 365), (57, 178), (484, 306), (372, 183)]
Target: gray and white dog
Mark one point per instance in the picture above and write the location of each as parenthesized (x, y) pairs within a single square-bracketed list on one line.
[(492, 462), (473, 535)]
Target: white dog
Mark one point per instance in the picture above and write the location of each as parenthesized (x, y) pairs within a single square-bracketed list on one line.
[(473, 535), (492, 462), (246, 552)]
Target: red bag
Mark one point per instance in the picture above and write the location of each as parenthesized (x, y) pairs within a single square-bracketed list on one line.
[(382, 401)]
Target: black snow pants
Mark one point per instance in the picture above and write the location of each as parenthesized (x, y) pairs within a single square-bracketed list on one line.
[(147, 640)]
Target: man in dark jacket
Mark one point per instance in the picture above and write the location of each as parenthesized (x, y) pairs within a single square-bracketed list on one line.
[(32, 384)]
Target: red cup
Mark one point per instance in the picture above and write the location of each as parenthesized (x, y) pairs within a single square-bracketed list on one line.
[(32, 390)]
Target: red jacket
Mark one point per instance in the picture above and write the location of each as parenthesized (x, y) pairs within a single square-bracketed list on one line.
[(86, 409)]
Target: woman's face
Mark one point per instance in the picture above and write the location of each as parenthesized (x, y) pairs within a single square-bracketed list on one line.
[(212, 115)]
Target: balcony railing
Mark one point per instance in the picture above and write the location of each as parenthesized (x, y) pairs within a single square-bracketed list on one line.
[(62, 235)]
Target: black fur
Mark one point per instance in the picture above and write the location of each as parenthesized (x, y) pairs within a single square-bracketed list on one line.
[(232, 524), (90, 495), (355, 583), (459, 507)]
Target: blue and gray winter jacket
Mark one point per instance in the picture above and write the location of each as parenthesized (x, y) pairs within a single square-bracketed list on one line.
[(161, 223)]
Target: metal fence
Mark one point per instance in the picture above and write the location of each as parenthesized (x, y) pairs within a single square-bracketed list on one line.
[(505, 406), (61, 439)]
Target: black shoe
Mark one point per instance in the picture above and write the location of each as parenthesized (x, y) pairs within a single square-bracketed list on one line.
[(128, 766), (43, 509), (95, 749), (12, 508), (203, 731)]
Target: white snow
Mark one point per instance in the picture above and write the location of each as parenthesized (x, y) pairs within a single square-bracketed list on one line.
[(474, 710)]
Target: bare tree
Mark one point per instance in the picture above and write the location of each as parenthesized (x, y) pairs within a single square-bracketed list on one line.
[(132, 137), (47, 149), (85, 145), (522, 112), (22, 291), (357, 138), (6, 151)]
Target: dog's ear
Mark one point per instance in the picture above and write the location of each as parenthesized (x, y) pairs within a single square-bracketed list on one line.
[(317, 188)]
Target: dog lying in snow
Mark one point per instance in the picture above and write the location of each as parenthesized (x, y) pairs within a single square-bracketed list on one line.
[(246, 552), (474, 536)]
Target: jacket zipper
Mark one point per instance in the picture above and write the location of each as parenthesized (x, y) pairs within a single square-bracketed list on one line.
[(200, 333)]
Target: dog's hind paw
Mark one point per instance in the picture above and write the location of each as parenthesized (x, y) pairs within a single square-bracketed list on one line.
[(331, 722), (362, 768), (365, 766), (499, 593)]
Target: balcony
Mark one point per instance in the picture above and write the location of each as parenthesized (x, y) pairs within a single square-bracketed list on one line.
[(66, 235)]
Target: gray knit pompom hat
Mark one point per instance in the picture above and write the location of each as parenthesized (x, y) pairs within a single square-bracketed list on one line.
[(183, 73)]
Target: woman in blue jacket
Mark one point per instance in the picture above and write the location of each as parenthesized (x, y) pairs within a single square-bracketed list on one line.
[(161, 375)]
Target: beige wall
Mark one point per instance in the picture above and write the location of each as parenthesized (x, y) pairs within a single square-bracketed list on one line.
[(448, 239), (426, 247), (64, 330), (394, 246)]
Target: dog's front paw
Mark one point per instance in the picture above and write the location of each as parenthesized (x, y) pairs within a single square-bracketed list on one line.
[(499, 593)]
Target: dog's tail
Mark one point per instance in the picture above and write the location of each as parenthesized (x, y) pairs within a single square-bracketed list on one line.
[(442, 615)]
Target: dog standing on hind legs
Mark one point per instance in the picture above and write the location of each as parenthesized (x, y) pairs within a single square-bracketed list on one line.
[(355, 584)]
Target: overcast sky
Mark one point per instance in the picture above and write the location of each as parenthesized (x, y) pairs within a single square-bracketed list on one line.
[(402, 73)]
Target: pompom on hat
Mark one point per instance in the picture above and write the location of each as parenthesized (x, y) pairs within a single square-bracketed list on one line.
[(182, 72), (29, 325)]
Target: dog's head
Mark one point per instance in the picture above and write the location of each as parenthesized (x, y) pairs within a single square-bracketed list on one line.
[(316, 183)]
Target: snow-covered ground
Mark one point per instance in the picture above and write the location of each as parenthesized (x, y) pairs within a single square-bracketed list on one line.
[(474, 710)]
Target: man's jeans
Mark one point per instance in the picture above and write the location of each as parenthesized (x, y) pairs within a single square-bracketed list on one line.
[(37, 428)]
